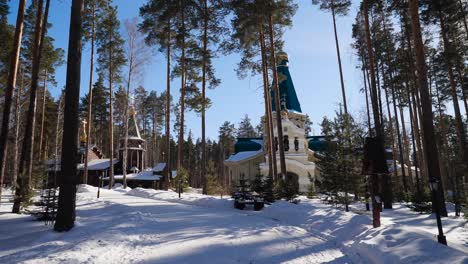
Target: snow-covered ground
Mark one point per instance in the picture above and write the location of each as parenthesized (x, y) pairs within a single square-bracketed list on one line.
[(149, 226)]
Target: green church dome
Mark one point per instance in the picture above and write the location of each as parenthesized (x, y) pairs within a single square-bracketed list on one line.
[(317, 143), (288, 97), (248, 144)]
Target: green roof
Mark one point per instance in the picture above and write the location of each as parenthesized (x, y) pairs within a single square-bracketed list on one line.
[(248, 144), (287, 92), (317, 143)]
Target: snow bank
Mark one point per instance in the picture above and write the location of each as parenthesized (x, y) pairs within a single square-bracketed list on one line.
[(118, 187), (402, 238), (84, 188), (393, 242), (189, 198)]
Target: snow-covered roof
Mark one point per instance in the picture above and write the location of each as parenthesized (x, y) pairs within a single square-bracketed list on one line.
[(159, 167), (245, 155), (98, 164), (146, 175)]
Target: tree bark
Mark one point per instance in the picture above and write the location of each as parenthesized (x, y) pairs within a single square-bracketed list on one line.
[(461, 135), (126, 116), (378, 127), (394, 100), (13, 71), (400, 144), (26, 161), (167, 176), (17, 129), (414, 130), (43, 116), (430, 149), (203, 112), (392, 132), (57, 132), (462, 84), (369, 127), (337, 45), (406, 144), (279, 122), (465, 24), (272, 171), (67, 197), (111, 117), (90, 94), (445, 172), (180, 148)]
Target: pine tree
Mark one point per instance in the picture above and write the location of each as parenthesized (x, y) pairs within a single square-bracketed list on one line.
[(430, 149), (212, 30), (90, 21), (99, 112), (27, 153), (246, 129), (111, 58), (337, 8), (13, 70), (340, 159), (158, 25)]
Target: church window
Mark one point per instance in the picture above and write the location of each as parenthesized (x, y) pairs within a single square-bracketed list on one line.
[(286, 143)]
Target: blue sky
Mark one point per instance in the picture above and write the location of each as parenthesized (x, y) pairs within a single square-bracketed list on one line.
[(313, 66)]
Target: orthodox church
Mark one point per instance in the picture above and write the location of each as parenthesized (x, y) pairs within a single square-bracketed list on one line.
[(251, 157)]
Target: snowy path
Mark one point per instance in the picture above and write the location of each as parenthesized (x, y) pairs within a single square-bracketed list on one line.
[(121, 228)]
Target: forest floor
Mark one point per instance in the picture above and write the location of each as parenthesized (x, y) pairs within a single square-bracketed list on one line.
[(149, 226)]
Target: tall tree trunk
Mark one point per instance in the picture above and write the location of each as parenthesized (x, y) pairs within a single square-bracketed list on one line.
[(67, 196), (418, 132), (90, 93), (26, 161), (379, 96), (406, 143), (57, 132), (13, 71), (463, 88), (461, 135), (414, 130), (268, 124), (369, 127), (445, 172), (111, 117), (463, 14), (343, 93), (394, 100), (126, 115), (279, 122), (337, 45), (417, 114), (387, 197), (203, 112), (43, 115), (14, 171), (180, 148), (167, 176), (392, 132), (400, 144), (430, 149)]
